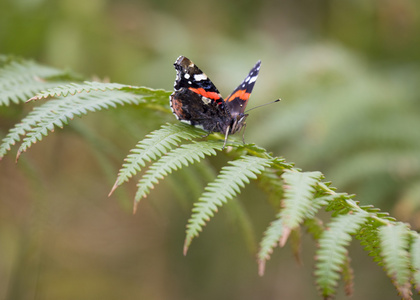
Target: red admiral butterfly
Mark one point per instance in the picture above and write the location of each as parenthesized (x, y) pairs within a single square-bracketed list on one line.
[(196, 101)]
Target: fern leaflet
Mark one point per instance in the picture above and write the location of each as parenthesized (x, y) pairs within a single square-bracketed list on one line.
[(271, 237), (368, 236), (277, 233), (332, 254), (299, 190), (26, 125), (67, 108), (348, 276), (150, 95), (415, 258), (394, 240), (174, 160), (158, 96), (21, 80), (77, 88), (226, 186), (152, 147), (57, 113)]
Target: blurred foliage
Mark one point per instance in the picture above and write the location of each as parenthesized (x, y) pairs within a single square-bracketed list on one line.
[(347, 73)]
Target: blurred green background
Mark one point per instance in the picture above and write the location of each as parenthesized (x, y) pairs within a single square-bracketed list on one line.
[(348, 73)]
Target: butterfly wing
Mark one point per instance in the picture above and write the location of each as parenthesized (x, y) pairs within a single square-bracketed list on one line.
[(189, 76), (237, 101), (196, 100)]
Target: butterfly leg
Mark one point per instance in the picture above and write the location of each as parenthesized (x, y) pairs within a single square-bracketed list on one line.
[(206, 135), (243, 134), (226, 137), (210, 131)]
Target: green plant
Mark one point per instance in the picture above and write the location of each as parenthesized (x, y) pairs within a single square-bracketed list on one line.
[(298, 196)]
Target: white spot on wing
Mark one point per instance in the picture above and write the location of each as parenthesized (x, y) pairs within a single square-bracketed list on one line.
[(199, 77), (206, 100), (187, 76), (252, 79)]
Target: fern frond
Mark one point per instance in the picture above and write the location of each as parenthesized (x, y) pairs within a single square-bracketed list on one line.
[(44, 118), (332, 253), (348, 276), (394, 241), (77, 88), (158, 96), (21, 80), (225, 187), (299, 190), (415, 261), (271, 238), (152, 147), (276, 233), (315, 227), (24, 126), (148, 94), (67, 108), (368, 236), (174, 160)]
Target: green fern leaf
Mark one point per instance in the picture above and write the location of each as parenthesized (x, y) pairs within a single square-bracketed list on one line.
[(21, 80), (154, 146), (268, 243), (77, 88), (299, 191), (368, 236), (174, 160), (332, 253), (158, 96), (394, 241), (54, 113), (150, 95), (276, 233), (315, 227), (415, 259), (225, 187), (26, 125), (348, 277), (67, 108)]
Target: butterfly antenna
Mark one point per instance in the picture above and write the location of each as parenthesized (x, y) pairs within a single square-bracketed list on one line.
[(263, 105)]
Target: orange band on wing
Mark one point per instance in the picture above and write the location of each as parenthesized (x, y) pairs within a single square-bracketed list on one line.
[(204, 93), (241, 94)]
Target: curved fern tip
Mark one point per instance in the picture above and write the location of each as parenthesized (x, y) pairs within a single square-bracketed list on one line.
[(18, 155), (261, 267), (114, 187), (284, 236), (186, 246)]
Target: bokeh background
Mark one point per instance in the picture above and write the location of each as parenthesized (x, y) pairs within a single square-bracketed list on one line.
[(348, 73)]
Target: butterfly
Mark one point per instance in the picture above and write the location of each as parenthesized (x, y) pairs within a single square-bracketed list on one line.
[(197, 101)]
